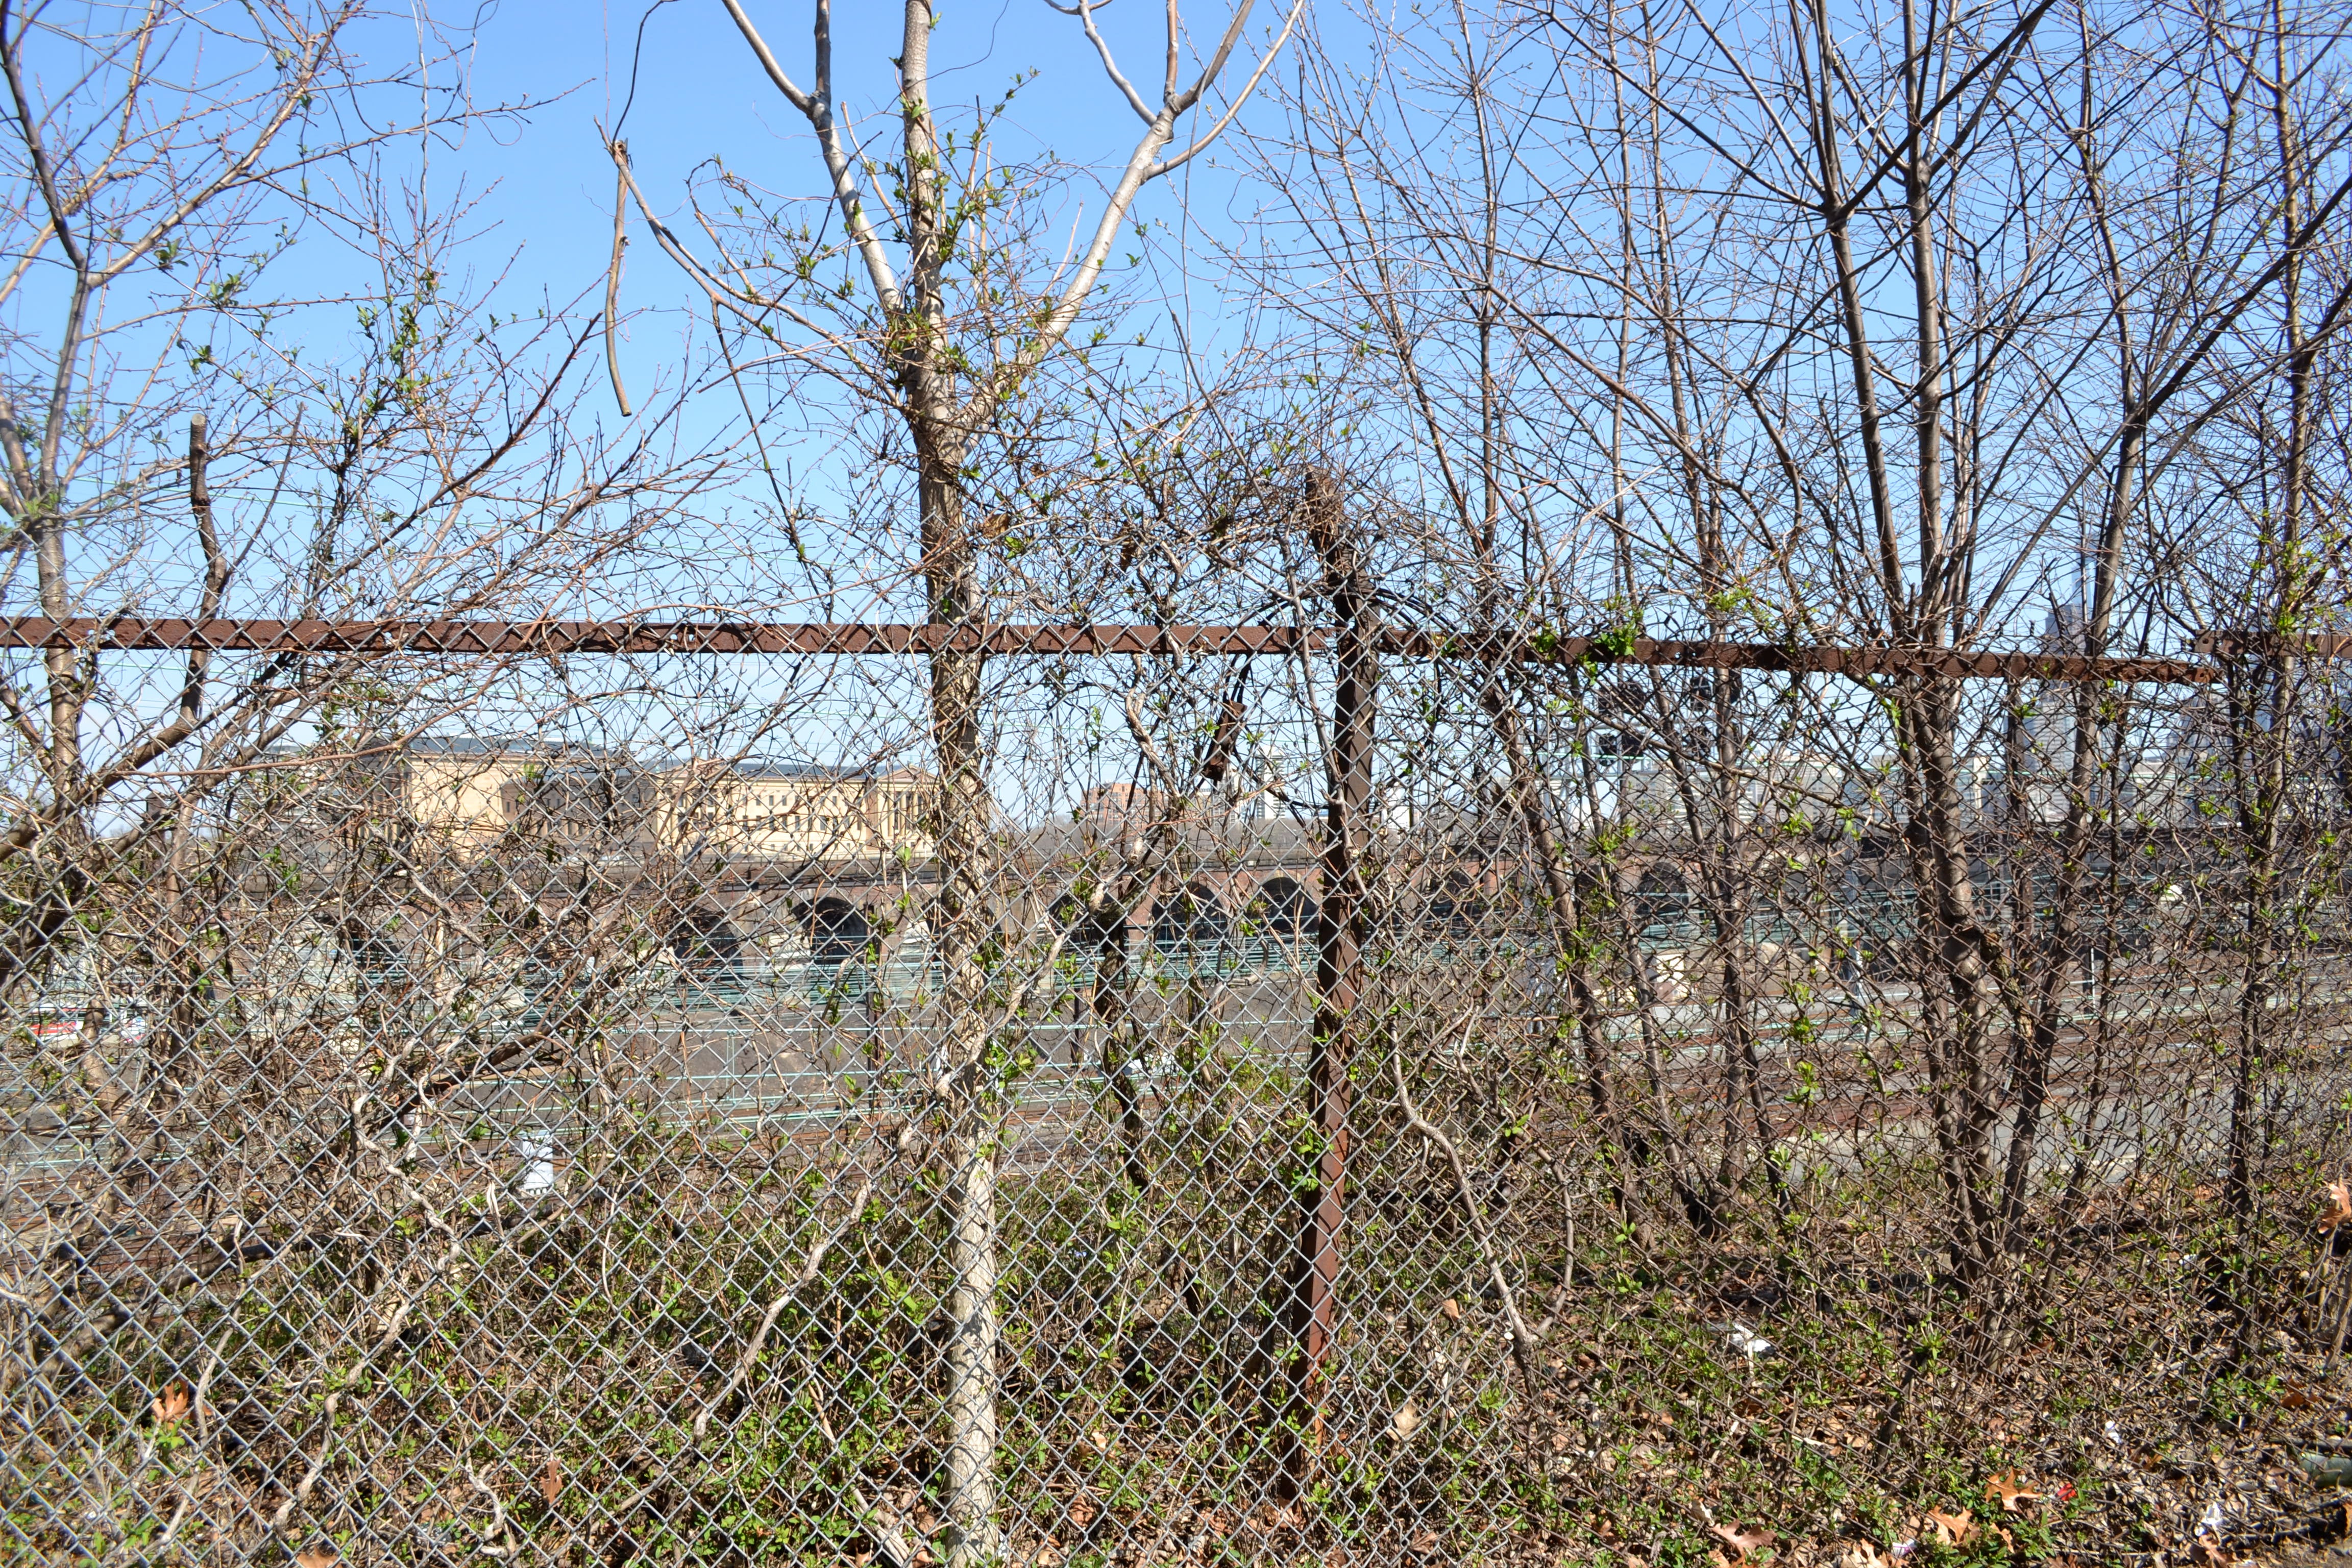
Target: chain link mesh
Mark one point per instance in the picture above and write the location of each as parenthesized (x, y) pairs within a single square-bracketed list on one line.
[(626, 1110)]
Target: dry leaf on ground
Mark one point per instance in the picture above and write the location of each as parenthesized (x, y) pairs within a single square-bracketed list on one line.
[(1743, 1546), (2011, 1491), (2337, 1204), (550, 1481), (171, 1404), (1952, 1529)]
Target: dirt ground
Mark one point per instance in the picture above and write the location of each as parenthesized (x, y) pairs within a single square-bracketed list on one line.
[(2335, 1555)]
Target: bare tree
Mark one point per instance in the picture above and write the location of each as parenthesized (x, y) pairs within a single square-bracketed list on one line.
[(1985, 431), (248, 371), (936, 307), (1883, 327), (2259, 561), (176, 443), (1558, 506)]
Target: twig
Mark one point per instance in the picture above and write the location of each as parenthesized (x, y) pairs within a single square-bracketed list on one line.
[(204, 1378), (179, 1517), (620, 150), (197, 1410), (301, 1492), (2342, 1320), (498, 1530), (887, 1537), (1522, 1340), (801, 1281)]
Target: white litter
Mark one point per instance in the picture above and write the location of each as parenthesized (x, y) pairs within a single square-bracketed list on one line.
[(537, 1151)]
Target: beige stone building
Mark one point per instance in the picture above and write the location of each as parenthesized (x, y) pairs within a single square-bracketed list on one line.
[(478, 792), (793, 811)]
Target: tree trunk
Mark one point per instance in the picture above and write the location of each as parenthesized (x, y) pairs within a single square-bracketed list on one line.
[(972, 1537)]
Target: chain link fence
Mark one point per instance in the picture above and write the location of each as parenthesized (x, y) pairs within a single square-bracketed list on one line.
[(1318, 1106)]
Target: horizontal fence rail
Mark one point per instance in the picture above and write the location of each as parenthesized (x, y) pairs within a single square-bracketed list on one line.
[(557, 637), (553, 636)]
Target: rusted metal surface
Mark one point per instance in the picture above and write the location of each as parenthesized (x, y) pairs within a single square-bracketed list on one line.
[(2268, 645), (554, 637), (1314, 1283), (1959, 664)]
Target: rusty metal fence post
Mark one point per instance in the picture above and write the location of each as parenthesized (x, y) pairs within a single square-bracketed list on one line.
[(1314, 1283)]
